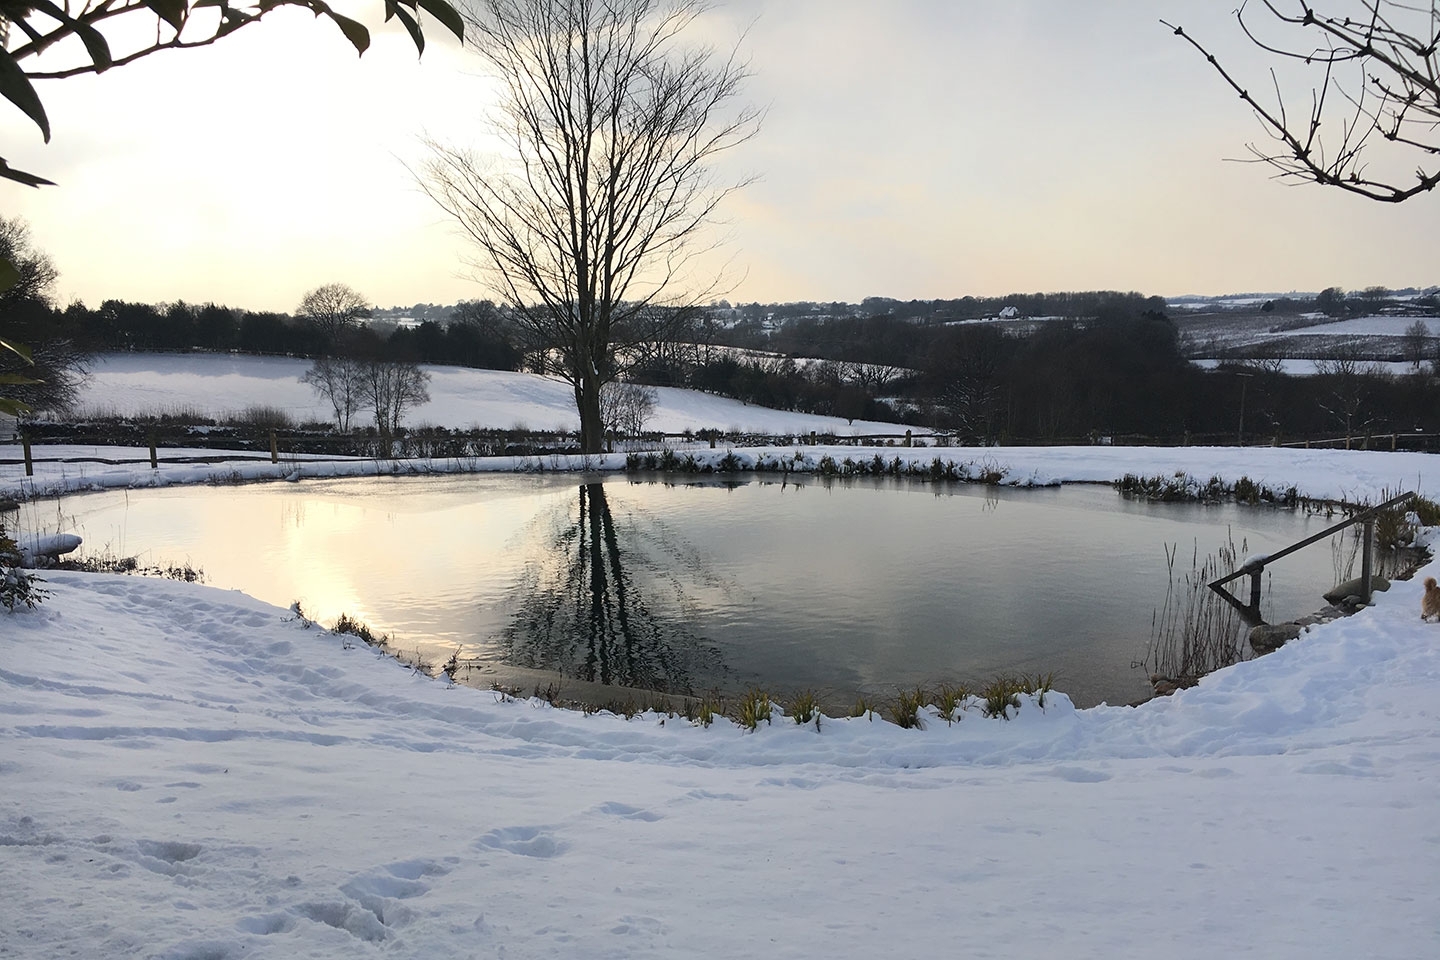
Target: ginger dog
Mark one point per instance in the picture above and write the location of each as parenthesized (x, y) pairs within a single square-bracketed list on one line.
[(1430, 603)]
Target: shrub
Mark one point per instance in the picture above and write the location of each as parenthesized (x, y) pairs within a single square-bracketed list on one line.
[(357, 628), (263, 417), (1427, 511), (1393, 527), (862, 708), (1247, 491), (16, 586)]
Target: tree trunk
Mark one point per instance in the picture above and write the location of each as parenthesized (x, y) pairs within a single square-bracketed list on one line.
[(587, 401)]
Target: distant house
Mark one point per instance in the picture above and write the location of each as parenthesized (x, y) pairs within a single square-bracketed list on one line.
[(1009, 313)]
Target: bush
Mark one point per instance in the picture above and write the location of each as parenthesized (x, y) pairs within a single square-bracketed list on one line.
[(16, 586), (1428, 511), (263, 418)]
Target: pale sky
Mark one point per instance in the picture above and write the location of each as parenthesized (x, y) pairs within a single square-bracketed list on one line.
[(920, 149)]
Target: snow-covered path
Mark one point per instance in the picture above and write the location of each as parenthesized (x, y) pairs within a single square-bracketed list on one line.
[(188, 773)]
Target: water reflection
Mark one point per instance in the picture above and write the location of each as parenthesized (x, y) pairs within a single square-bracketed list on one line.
[(610, 602)]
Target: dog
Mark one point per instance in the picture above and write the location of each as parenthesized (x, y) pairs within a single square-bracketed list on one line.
[(1430, 603)]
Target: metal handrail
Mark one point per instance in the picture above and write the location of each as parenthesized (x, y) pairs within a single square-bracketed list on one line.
[(1255, 566)]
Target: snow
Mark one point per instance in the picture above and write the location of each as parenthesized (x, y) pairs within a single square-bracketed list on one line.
[(1375, 326), (1353, 475), (189, 773), (224, 384), (1297, 367)]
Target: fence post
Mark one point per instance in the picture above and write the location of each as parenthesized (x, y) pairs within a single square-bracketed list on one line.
[(29, 464), (1255, 590), (1365, 561), (154, 458), (908, 438), (274, 448)]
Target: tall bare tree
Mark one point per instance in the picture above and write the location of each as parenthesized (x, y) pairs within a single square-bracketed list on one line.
[(1416, 343), (340, 381), (1377, 83), (388, 389), (333, 308), (589, 223)]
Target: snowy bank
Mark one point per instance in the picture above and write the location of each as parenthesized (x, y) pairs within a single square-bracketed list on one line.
[(188, 773), (1354, 475)]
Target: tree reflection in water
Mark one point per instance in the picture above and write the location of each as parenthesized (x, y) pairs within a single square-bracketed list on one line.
[(584, 605)]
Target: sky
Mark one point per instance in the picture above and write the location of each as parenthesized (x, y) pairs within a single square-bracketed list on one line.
[(913, 150)]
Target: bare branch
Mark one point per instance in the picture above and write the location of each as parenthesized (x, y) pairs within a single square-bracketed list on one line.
[(1391, 111)]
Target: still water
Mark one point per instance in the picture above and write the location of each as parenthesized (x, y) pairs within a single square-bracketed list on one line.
[(841, 586)]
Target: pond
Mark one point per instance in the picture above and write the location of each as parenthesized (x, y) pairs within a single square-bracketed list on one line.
[(841, 586)]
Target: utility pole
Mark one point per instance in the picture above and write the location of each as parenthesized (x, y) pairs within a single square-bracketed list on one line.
[(1240, 432)]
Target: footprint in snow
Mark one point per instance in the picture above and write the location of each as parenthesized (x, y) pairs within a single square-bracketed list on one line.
[(1079, 774), (415, 869), (627, 812), (525, 841)]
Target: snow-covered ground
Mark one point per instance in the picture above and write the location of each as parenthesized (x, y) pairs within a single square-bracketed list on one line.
[(188, 773), (1366, 327), (222, 384), (1353, 475), (1296, 367)]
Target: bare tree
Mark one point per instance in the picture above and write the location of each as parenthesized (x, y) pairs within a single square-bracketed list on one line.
[(1348, 379), (1377, 82), (388, 389), (1416, 341), (333, 307), (624, 407), (341, 381), (590, 223)]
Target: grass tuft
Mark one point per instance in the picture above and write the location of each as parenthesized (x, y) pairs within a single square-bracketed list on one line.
[(805, 708), (949, 699), (1000, 696), (905, 709), (357, 628), (754, 709)]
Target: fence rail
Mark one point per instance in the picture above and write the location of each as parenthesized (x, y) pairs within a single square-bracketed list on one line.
[(1256, 565)]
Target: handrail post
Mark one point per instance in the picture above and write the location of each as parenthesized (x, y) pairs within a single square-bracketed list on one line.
[(1255, 589)]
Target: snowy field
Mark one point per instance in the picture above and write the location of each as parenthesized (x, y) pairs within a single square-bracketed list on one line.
[(219, 385), (1296, 367), (190, 774), (1366, 327)]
